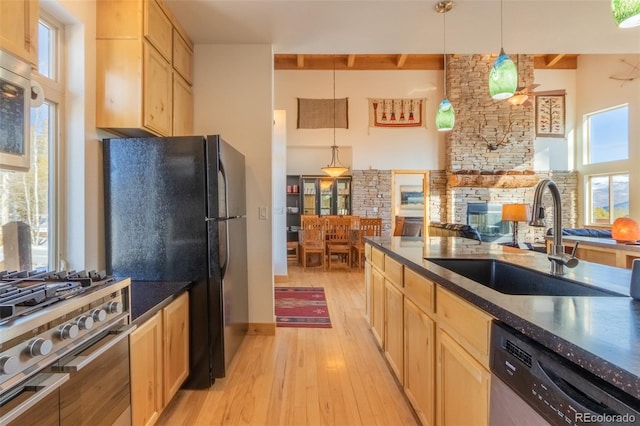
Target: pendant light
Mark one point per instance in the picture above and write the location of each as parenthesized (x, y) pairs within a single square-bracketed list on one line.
[(335, 168), (503, 77), (446, 116), (626, 13)]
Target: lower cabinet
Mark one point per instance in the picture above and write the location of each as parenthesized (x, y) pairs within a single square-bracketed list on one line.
[(377, 305), (463, 385), (419, 366), (159, 360), (394, 329)]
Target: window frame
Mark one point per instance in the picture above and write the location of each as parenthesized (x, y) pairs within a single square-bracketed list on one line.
[(589, 199)]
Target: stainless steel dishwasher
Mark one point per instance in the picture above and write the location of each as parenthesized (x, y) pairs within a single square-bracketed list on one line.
[(531, 385)]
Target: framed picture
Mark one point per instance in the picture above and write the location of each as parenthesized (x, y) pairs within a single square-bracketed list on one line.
[(411, 197), (550, 116)]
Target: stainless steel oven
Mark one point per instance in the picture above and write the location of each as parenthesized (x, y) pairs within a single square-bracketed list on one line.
[(65, 363), (15, 100)]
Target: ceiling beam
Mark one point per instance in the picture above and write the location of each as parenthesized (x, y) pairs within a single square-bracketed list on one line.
[(361, 62)]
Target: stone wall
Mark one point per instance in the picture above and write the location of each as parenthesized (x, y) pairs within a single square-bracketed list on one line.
[(371, 196)]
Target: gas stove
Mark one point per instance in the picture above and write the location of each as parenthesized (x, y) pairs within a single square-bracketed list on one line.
[(24, 292), (47, 318)]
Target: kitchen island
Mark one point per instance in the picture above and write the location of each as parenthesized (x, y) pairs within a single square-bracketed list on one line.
[(599, 334)]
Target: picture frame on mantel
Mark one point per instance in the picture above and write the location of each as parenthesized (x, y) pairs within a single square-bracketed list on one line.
[(550, 115)]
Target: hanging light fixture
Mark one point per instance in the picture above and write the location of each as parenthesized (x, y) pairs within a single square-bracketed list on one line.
[(446, 116), (503, 77), (626, 13), (520, 96), (335, 168)]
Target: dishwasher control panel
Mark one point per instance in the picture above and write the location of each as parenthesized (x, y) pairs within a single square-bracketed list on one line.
[(560, 391)]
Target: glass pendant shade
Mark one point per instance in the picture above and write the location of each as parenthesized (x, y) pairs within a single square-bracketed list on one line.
[(503, 77), (626, 13), (335, 169), (445, 117)]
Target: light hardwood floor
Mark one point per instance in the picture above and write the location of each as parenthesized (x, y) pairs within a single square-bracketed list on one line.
[(300, 376)]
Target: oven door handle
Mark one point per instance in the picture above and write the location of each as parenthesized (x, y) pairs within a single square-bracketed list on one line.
[(43, 385), (81, 361)]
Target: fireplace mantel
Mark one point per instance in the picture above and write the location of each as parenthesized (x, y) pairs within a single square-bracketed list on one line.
[(493, 179)]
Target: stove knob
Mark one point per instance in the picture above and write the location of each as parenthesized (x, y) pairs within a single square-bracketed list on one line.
[(85, 323), (8, 365), (114, 307), (99, 315), (69, 331), (39, 347)]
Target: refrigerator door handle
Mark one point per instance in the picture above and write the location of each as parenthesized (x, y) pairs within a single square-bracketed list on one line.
[(223, 247)]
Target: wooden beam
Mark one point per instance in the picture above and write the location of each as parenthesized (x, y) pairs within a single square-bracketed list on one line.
[(300, 60), (401, 60), (351, 60), (553, 59)]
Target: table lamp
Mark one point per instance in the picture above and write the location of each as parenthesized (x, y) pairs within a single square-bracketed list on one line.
[(515, 213)]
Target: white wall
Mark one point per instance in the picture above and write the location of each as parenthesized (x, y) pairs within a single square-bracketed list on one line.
[(557, 153), (384, 149), (233, 97), (596, 91), (279, 197)]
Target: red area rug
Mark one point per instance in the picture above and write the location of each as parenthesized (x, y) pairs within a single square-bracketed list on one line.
[(301, 307)]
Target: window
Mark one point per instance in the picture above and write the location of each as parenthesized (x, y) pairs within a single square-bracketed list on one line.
[(27, 208), (608, 197), (607, 135)]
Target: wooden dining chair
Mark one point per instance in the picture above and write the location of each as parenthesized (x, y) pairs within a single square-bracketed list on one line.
[(311, 240), (368, 227), (337, 234)]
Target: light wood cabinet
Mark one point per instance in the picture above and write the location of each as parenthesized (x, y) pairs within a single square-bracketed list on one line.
[(393, 330), (377, 304), (367, 291), (462, 385), (19, 28), (146, 371), (182, 107), (175, 320), (159, 360), (419, 345), (139, 86)]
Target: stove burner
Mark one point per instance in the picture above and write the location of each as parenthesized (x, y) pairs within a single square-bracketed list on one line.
[(24, 292)]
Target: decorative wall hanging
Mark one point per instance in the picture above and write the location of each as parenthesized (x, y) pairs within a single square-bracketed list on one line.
[(550, 121), (396, 112), (495, 137), (318, 113)]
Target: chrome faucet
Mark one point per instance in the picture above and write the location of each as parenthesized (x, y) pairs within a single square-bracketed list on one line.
[(559, 259)]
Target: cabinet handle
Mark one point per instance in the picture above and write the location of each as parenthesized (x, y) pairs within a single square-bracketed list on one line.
[(44, 385)]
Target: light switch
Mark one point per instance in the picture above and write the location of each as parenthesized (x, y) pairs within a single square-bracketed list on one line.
[(262, 213)]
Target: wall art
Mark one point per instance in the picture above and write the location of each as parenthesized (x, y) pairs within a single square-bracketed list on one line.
[(550, 116)]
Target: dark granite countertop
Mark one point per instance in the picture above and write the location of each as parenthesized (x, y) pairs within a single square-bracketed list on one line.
[(149, 296), (600, 334), (607, 243)]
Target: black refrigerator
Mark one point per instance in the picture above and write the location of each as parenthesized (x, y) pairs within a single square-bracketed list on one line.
[(175, 210)]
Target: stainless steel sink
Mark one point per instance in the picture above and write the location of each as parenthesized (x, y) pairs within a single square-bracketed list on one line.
[(511, 279)]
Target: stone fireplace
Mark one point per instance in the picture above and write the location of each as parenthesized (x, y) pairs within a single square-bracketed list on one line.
[(490, 151)]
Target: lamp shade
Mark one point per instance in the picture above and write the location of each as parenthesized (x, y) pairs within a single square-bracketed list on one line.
[(626, 13), (445, 117), (515, 212), (625, 230), (503, 77)]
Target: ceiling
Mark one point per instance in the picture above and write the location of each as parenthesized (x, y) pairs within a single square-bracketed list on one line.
[(407, 26)]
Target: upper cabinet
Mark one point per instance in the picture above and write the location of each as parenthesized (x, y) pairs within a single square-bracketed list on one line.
[(19, 29), (144, 70)]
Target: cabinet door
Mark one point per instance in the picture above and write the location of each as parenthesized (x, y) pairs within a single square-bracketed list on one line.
[(367, 291), (343, 196), (377, 303), (157, 99), (146, 372), (394, 329), (463, 385), (158, 29), (175, 324), (182, 107), (309, 194), (327, 201), (19, 28), (419, 366), (182, 57)]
